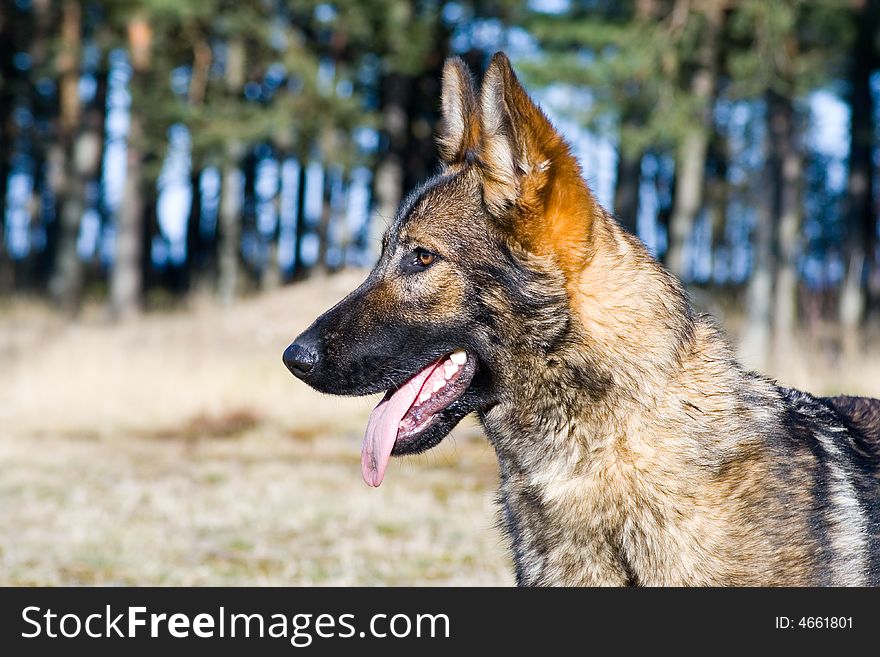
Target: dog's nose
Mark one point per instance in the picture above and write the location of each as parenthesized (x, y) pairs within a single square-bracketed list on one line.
[(300, 359)]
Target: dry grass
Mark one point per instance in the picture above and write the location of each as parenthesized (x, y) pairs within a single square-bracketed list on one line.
[(178, 450)]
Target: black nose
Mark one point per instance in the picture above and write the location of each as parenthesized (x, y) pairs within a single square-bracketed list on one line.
[(300, 359)]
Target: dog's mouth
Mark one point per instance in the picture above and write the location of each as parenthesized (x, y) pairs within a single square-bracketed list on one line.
[(404, 416)]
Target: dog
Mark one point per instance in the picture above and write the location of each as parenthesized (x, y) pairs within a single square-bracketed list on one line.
[(633, 448)]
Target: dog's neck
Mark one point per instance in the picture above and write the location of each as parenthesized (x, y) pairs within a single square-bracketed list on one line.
[(590, 410), (630, 331)]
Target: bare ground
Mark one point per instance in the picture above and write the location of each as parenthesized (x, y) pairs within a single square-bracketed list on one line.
[(178, 450)]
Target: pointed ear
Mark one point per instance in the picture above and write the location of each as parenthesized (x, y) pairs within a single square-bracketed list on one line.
[(458, 109), (531, 182), (518, 142)]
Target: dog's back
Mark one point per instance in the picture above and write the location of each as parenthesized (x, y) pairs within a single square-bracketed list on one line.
[(861, 416), (826, 454)]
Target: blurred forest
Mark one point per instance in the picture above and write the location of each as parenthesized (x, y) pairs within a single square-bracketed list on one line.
[(152, 149), (203, 154)]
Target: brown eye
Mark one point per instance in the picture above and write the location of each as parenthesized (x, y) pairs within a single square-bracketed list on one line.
[(419, 260)]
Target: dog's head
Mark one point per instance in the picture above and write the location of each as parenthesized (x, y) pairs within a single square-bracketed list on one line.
[(473, 274)]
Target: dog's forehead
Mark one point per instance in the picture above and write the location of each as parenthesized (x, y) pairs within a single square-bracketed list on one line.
[(440, 209)]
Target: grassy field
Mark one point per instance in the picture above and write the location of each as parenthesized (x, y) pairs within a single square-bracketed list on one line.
[(178, 450)]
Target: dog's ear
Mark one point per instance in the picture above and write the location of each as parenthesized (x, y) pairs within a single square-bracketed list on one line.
[(458, 109), (518, 142), (531, 181)]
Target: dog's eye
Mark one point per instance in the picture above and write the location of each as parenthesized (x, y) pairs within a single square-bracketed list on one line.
[(420, 260)]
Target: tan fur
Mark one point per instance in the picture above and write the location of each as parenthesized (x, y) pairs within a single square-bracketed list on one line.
[(632, 447), (659, 471), (667, 479)]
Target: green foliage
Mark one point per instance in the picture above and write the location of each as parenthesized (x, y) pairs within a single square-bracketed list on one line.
[(297, 117), (638, 58), (789, 47), (305, 76)]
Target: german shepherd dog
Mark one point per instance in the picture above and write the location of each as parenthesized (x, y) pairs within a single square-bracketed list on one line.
[(633, 448)]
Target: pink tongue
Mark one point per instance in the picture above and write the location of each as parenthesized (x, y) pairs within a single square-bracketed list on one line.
[(383, 425)]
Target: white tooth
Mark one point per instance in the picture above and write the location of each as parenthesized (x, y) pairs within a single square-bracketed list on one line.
[(423, 397), (459, 357), (449, 369), (438, 385)]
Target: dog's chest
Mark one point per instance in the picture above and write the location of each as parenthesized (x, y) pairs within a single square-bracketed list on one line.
[(600, 524), (568, 528)]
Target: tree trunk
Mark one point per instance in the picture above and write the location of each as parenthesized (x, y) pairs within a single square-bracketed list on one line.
[(232, 193), (300, 225), (229, 225), (691, 164), (29, 273), (198, 254), (196, 258), (126, 280), (691, 157), (388, 181), (860, 218), (81, 152), (126, 283), (344, 235), (409, 107), (717, 198), (7, 96), (626, 189), (759, 292), (627, 185), (271, 276), (788, 213), (759, 295), (326, 218)]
